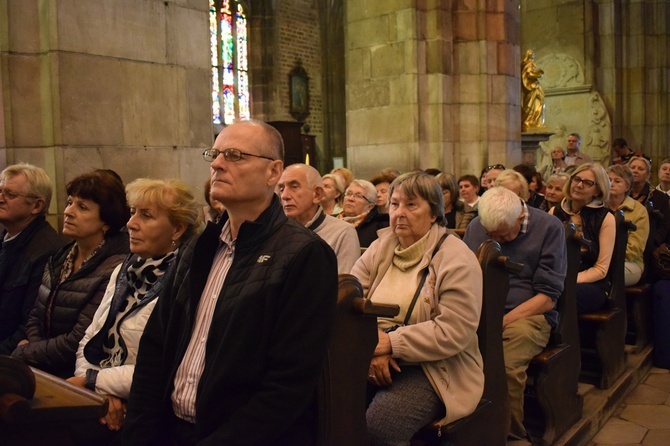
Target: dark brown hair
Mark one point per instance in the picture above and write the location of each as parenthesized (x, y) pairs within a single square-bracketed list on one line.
[(108, 192)]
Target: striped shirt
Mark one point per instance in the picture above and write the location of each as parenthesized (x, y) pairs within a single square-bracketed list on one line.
[(191, 367)]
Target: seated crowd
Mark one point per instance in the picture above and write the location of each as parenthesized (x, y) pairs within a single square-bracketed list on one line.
[(155, 302)]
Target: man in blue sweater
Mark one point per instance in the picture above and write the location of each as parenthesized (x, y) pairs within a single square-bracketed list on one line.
[(535, 239)]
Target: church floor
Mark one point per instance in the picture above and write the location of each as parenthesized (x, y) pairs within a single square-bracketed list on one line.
[(635, 411)]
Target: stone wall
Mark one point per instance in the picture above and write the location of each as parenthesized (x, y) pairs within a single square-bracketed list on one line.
[(120, 85), (432, 84), (606, 65)]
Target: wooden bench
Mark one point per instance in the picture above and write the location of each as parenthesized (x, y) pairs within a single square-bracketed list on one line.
[(551, 402), (44, 412), (602, 334), (342, 386), (639, 305), (489, 423)]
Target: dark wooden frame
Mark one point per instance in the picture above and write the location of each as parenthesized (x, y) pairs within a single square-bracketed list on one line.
[(298, 87)]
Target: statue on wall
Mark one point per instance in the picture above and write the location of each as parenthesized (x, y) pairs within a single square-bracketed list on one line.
[(532, 94)]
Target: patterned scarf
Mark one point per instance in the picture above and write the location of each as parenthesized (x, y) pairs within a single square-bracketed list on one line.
[(65, 272), (142, 275), (355, 220)]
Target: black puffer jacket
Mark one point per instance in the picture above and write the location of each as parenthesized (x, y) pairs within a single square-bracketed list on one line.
[(76, 300), (22, 262)]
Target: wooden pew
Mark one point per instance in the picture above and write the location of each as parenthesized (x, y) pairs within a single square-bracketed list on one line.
[(551, 402), (342, 386), (602, 334), (639, 303), (489, 423), (49, 414)]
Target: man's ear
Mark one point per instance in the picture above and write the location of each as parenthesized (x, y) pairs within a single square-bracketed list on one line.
[(38, 206), (276, 168), (318, 194)]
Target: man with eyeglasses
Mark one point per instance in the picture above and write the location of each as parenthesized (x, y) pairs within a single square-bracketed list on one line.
[(574, 156), (234, 348), (535, 239), (27, 243), (301, 190)]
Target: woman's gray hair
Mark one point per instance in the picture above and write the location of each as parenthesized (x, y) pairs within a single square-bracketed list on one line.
[(369, 188), (558, 178), (623, 171), (337, 181), (509, 177), (498, 207), (421, 184)]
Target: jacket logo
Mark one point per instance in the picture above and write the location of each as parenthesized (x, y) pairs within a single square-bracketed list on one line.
[(263, 258)]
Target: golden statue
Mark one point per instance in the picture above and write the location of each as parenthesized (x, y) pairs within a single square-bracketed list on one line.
[(532, 95)]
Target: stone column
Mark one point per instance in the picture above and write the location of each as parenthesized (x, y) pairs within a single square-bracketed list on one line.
[(432, 84), (123, 85)]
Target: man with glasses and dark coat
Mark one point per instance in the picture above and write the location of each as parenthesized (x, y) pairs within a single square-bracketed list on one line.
[(27, 243), (234, 348)]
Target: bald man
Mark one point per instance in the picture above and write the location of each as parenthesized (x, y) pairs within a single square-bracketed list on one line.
[(301, 190), (234, 348)]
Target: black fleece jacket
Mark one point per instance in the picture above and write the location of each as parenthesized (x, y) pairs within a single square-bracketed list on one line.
[(266, 345)]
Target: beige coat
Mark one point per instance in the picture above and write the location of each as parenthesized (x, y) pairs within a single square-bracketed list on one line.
[(444, 339)]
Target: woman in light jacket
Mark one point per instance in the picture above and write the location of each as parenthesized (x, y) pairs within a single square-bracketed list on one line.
[(426, 364), (163, 214)]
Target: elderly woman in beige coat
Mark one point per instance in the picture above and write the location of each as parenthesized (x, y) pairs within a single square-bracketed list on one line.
[(427, 362)]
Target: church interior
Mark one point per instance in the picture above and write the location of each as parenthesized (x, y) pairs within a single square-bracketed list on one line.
[(139, 86), (142, 87)]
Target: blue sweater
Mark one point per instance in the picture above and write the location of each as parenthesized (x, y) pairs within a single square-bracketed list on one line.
[(541, 250)]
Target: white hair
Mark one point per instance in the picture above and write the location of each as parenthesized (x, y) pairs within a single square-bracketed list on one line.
[(499, 207), (369, 188)]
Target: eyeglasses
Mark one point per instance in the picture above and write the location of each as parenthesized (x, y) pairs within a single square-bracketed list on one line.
[(10, 195), (232, 155), (357, 196), (496, 167), (587, 183)]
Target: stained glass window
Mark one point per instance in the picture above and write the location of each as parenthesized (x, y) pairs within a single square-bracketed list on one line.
[(228, 45)]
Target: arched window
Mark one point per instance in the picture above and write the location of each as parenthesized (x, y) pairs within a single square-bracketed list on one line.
[(230, 74)]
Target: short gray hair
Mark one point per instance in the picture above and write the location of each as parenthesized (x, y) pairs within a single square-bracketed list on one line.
[(369, 188), (423, 185), (39, 183), (312, 176), (498, 207)]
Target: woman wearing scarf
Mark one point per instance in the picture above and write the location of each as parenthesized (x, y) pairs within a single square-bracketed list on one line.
[(164, 213), (76, 277), (361, 211)]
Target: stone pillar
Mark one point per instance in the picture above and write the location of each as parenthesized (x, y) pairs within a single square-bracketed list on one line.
[(122, 85), (432, 84)]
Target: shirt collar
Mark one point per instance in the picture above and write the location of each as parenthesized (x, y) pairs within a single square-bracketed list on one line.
[(526, 218)]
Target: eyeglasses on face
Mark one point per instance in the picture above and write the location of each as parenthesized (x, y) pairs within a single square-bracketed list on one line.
[(8, 194), (357, 196), (587, 183), (496, 167), (231, 155)]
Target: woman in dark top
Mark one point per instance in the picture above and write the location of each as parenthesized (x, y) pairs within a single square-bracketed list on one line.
[(76, 276), (644, 192), (584, 204), (457, 213)]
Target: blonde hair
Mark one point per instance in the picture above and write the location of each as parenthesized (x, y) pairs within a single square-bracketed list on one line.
[(172, 196), (509, 177), (39, 183), (602, 181)]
